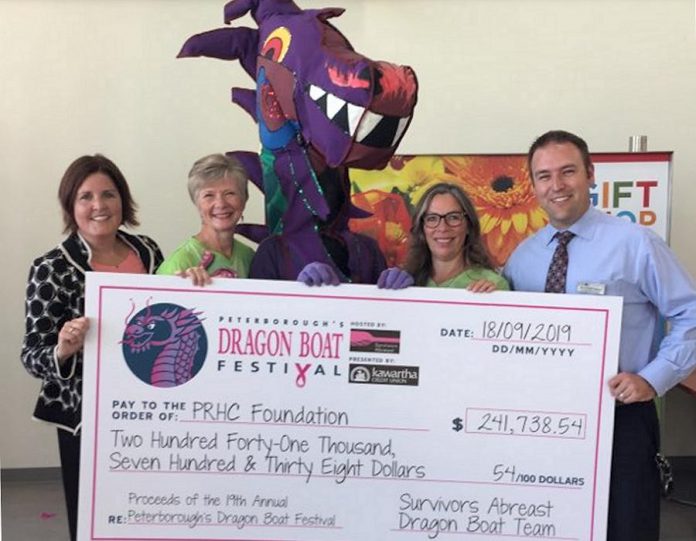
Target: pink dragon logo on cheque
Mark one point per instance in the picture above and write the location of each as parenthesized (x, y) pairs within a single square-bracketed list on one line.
[(165, 344)]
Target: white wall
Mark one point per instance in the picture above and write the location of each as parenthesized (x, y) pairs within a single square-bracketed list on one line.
[(85, 76)]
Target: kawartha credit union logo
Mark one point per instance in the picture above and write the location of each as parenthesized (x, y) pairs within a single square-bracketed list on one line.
[(165, 344)]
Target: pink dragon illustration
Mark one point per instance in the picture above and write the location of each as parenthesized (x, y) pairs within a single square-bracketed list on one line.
[(178, 331)]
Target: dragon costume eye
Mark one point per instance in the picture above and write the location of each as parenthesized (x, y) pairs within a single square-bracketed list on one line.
[(277, 44)]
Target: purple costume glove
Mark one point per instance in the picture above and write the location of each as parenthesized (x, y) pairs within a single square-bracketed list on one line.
[(394, 278), (317, 274)]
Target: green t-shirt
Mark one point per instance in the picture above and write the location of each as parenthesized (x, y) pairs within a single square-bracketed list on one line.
[(193, 253), (463, 279)]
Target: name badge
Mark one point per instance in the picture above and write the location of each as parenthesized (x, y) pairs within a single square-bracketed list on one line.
[(589, 288)]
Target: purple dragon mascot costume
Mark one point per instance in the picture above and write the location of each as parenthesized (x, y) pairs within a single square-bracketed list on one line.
[(321, 108)]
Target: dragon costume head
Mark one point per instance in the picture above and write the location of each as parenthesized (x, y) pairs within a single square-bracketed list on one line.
[(321, 107)]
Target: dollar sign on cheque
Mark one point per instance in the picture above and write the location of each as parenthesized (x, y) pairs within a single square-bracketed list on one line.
[(457, 424)]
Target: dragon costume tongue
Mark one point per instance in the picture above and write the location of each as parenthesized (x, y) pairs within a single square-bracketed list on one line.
[(319, 105)]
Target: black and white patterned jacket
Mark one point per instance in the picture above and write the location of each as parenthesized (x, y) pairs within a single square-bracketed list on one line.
[(55, 295)]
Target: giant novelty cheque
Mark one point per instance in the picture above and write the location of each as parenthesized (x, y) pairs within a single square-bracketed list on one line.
[(271, 410)]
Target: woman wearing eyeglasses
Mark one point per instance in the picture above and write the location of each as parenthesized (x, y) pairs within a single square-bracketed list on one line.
[(446, 248)]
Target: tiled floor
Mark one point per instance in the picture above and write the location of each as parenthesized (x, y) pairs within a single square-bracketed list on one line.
[(34, 510)]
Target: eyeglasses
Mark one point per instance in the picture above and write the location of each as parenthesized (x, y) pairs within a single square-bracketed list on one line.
[(452, 219)]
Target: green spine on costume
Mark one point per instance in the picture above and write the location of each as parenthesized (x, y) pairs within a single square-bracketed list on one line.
[(275, 201)]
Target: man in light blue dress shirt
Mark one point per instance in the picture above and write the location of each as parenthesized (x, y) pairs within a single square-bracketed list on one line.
[(612, 256)]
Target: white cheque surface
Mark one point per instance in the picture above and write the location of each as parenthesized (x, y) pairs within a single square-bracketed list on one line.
[(259, 410)]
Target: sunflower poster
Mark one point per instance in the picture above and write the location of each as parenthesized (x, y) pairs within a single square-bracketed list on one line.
[(632, 186)]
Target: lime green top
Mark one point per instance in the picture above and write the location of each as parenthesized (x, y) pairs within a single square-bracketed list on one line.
[(463, 279), (193, 253)]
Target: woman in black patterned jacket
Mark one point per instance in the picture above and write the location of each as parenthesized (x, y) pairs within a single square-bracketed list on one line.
[(96, 202)]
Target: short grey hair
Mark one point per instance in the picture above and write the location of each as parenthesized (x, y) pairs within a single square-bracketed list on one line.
[(214, 167)]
